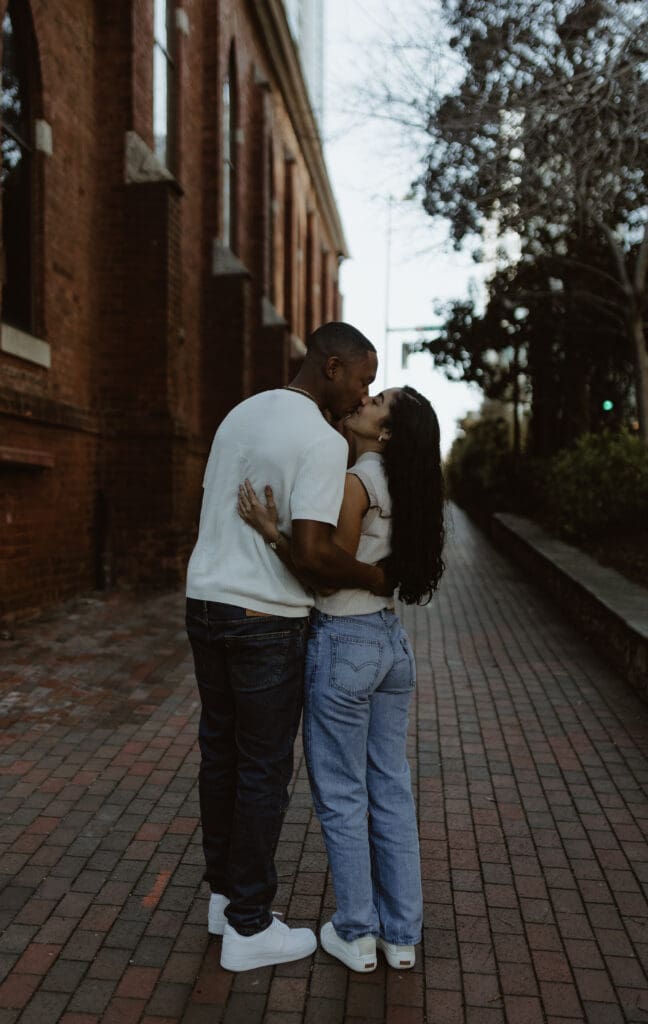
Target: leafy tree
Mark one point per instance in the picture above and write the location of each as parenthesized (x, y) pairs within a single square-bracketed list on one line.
[(546, 135), (556, 350)]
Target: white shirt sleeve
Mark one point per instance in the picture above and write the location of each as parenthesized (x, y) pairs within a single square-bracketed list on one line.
[(319, 483)]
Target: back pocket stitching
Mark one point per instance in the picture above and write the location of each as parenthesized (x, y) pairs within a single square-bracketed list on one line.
[(337, 658)]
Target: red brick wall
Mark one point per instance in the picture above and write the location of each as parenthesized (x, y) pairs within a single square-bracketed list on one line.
[(149, 347)]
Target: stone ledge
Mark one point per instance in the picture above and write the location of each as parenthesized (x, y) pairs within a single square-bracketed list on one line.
[(25, 346), (610, 609), (226, 263)]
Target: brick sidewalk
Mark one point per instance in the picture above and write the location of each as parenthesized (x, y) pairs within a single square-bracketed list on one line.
[(529, 762)]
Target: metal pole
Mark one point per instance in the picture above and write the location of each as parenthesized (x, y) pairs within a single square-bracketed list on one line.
[(387, 285)]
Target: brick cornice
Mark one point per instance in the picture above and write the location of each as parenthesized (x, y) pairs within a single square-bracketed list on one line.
[(284, 59)]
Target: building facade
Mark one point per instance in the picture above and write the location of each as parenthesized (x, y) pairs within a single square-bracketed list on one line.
[(169, 239)]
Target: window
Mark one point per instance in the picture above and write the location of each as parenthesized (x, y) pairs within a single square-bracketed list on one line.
[(229, 125), (324, 317), (309, 282), (272, 211), (164, 75), (289, 243), (17, 171)]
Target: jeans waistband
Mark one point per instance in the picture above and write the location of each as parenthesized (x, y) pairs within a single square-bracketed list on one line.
[(218, 610), (384, 614)]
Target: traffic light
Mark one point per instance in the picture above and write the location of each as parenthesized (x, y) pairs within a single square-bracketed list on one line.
[(608, 406)]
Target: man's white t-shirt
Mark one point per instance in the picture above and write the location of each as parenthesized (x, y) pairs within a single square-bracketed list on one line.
[(279, 438)]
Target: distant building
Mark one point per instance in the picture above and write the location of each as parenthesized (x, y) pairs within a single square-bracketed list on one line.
[(169, 239)]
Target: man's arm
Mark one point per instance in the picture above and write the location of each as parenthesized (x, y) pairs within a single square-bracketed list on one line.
[(315, 553), (336, 545)]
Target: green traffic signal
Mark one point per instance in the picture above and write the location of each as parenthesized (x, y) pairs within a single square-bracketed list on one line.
[(608, 405)]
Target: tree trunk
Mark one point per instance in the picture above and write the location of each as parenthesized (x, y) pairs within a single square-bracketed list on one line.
[(638, 338), (517, 446)]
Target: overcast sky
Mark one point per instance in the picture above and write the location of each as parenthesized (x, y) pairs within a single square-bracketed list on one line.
[(367, 163)]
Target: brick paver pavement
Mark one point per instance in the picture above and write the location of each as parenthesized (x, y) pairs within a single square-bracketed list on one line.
[(529, 760)]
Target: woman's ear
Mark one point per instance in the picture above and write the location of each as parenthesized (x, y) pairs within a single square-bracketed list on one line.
[(384, 434)]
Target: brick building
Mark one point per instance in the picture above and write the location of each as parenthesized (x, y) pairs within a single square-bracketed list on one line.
[(169, 239)]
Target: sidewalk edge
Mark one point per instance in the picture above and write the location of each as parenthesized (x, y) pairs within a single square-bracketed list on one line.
[(611, 610)]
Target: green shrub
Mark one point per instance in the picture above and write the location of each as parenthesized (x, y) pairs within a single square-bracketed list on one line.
[(597, 487), (589, 492), (478, 471)]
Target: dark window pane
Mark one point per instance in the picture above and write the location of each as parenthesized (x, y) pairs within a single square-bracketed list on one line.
[(229, 125), (16, 178), (16, 233), (15, 115), (227, 166)]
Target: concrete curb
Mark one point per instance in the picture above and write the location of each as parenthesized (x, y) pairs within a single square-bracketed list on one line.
[(610, 609)]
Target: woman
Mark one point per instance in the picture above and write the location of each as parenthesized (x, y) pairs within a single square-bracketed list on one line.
[(360, 676)]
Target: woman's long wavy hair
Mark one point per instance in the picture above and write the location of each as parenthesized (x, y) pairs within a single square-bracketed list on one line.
[(412, 460)]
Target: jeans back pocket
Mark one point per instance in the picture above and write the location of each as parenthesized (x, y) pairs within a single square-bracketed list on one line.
[(355, 664)]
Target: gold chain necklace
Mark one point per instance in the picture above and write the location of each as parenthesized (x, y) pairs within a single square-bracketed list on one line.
[(300, 391)]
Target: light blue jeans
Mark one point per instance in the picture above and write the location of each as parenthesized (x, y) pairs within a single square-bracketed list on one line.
[(360, 677)]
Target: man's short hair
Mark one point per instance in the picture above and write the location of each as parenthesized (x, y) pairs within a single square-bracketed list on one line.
[(338, 339)]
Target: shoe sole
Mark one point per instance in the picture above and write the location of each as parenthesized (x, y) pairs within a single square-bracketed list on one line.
[(233, 963), (359, 964), (395, 962)]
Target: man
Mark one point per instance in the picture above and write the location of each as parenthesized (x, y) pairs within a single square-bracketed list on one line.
[(247, 618)]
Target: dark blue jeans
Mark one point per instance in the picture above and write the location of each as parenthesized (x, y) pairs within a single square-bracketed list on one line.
[(250, 673)]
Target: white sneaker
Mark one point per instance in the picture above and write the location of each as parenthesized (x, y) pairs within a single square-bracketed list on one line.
[(359, 954), (278, 944), (400, 957), (216, 919)]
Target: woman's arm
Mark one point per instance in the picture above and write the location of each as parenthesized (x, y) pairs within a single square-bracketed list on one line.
[(265, 519), (355, 503)]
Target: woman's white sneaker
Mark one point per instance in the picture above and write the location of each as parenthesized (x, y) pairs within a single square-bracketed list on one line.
[(277, 944), (400, 957), (216, 919), (359, 954)]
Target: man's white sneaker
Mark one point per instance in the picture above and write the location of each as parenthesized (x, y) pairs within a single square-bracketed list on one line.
[(216, 919), (400, 957), (359, 954), (278, 944)]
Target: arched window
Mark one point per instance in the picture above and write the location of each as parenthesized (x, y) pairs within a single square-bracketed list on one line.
[(164, 78), (229, 134), (17, 168)]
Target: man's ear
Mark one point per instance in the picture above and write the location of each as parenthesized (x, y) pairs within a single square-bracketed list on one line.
[(332, 366)]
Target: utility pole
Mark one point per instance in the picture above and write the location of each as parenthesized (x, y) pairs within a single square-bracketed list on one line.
[(390, 203)]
